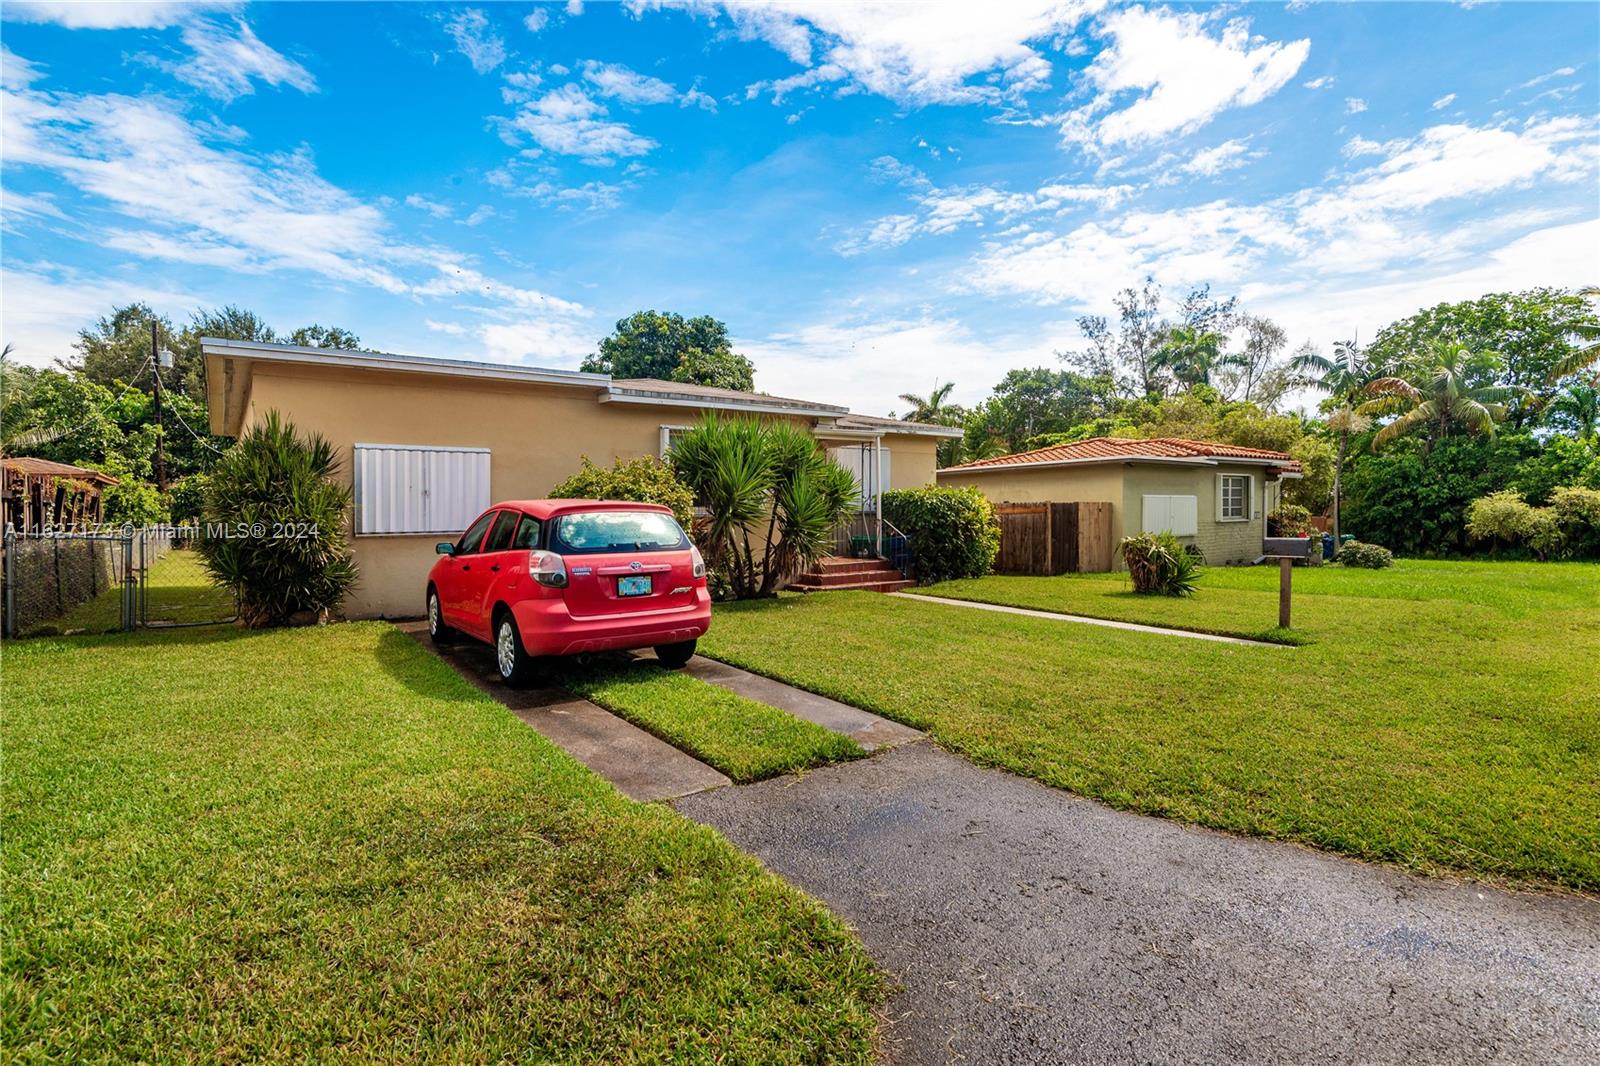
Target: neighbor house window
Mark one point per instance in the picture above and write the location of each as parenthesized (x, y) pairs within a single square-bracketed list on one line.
[(670, 435), (1233, 504), (417, 488)]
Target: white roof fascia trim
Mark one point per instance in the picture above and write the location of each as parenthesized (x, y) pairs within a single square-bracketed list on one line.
[(418, 364), (656, 399), (910, 430)]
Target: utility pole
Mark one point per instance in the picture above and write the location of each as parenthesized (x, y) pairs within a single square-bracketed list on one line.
[(155, 372)]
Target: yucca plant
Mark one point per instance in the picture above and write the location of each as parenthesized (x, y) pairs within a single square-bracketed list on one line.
[(276, 516), (772, 499), (1159, 564)]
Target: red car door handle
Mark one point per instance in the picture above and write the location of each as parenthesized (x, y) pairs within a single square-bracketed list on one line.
[(466, 566), (495, 568)]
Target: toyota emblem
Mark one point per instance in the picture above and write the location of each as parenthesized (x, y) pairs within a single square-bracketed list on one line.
[(636, 564)]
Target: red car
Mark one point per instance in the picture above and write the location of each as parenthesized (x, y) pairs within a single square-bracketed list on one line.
[(537, 578)]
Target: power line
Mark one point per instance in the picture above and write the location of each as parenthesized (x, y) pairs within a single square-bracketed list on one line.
[(179, 416), (32, 441)]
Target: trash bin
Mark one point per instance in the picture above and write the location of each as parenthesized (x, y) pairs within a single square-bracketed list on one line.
[(1327, 545)]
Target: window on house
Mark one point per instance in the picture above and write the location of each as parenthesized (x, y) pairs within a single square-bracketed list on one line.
[(670, 436), (413, 488), (1233, 501)]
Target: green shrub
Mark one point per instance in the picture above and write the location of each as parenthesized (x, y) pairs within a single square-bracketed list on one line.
[(1160, 564), (642, 480), (188, 498), (1366, 556), (133, 502), (953, 532), (1289, 520), (1576, 513), (275, 482), (1503, 517)]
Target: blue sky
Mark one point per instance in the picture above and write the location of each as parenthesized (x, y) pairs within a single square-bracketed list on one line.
[(871, 196)]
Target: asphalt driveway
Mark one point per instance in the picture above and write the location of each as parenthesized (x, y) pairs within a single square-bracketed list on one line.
[(1028, 925)]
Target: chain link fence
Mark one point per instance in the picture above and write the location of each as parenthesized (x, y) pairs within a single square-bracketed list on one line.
[(63, 583)]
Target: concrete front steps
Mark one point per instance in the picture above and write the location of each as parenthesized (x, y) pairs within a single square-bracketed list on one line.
[(833, 573)]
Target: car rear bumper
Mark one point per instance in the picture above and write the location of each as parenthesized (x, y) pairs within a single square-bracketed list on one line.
[(547, 628)]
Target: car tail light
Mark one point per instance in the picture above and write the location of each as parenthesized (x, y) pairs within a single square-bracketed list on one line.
[(548, 569), (698, 560)]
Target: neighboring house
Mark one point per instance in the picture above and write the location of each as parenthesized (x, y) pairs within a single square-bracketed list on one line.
[(1213, 495), (429, 443), (35, 493)]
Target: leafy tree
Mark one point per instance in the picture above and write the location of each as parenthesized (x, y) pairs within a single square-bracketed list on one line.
[(1445, 398), (1314, 489), (1345, 422), (1126, 355), (1415, 502), (1029, 402), (315, 336), (655, 344), (1344, 376), (274, 476), (1254, 372), (1563, 461), (1537, 333), (115, 350), (772, 499), (724, 369), (1576, 409)]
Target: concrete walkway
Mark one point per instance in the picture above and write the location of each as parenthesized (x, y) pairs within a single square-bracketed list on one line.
[(1028, 925), (640, 765), (1055, 616)]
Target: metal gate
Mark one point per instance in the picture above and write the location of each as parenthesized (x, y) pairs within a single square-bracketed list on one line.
[(66, 582)]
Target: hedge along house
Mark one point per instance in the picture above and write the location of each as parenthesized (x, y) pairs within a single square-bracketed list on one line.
[(1215, 496), (428, 444)]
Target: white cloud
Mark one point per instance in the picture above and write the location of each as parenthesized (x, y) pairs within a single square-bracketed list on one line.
[(1559, 72), (946, 53), (109, 14), (1444, 101), (432, 207), (1324, 82), (1354, 105), (1209, 162), (15, 204), (536, 20), (45, 306), (945, 209), (479, 216), (695, 98), (551, 340), (628, 86), (190, 200), (574, 7), (569, 122), (1164, 73), (476, 39), (454, 329)]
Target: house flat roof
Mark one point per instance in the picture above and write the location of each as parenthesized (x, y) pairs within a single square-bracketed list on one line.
[(1122, 450), (650, 391), (31, 467)]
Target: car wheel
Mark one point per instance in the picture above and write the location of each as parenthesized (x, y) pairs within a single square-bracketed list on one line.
[(515, 666), (673, 656), (437, 630)]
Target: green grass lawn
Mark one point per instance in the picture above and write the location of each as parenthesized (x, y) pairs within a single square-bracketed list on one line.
[(1444, 716), (177, 592), (323, 843), (744, 739)]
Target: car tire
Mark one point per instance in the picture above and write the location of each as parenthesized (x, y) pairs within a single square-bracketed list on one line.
[(438, 632), (517, 669), (675, 656)]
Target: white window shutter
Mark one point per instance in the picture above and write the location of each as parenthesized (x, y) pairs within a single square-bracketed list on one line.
[(409, 488)]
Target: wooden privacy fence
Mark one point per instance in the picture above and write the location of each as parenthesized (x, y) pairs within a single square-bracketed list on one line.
[(1054, 538)]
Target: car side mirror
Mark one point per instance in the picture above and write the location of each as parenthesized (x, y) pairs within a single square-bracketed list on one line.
[(444, 547)]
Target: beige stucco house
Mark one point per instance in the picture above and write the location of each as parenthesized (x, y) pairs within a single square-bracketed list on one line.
[(427, 444), (1216, 496)]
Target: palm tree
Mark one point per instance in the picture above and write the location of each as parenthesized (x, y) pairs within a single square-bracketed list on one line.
[(1342, 377), (1343, 420), (931, 408), (1579, 403), (1441, 402), (1586, 356), (1191, 354)]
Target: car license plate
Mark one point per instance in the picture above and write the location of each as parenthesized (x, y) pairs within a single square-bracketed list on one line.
[(634, 585)]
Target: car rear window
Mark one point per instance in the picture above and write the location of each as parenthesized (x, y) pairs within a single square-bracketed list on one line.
[(618, 531)]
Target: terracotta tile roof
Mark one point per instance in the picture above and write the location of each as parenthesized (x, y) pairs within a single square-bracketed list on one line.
[(32, 467), (1110, 449)]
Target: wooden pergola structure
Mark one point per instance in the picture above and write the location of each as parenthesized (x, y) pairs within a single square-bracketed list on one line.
[(35, 493)]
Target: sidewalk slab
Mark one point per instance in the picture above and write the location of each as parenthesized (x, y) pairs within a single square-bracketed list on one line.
[(641, 766)]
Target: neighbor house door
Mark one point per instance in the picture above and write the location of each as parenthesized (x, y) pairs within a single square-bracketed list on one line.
[(857, 458)]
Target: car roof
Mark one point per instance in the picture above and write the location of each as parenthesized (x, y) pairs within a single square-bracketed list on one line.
[(543, 509)]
